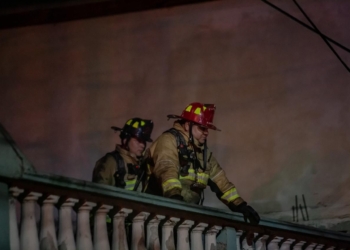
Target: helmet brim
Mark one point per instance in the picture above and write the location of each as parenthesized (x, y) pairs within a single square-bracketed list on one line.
[(116, 129), (207, 126)]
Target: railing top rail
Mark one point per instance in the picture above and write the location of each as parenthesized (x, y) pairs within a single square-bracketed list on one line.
[(103, 194)]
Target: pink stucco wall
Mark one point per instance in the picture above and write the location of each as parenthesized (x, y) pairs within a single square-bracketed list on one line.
[(282, 97)]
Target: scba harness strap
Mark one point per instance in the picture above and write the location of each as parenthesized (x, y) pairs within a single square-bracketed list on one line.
[(201, 179), (119, 175), (186, 157)]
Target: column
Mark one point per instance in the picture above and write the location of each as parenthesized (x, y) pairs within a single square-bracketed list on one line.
[(119, 241), (210, 237), (84, 241), (247, 240), (311, 246), (153, 242), (100, 228), (299, 245), (274, 243), (138, 231), (65, 227), (47, 237), (29, 233), (260, 242), (183, 237), (14, 236), (287, 244), (196, 236), (168, 234)]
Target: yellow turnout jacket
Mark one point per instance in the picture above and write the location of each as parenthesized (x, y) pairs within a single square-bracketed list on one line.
[(165, 168), (106, 169)]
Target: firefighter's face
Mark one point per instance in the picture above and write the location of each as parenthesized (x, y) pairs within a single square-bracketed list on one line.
[(136, 146), (199, 133)]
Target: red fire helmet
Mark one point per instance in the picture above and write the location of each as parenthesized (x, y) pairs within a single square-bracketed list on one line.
[(202, 114)]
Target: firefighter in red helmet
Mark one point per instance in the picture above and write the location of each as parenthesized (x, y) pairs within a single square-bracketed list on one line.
[(182, 166)]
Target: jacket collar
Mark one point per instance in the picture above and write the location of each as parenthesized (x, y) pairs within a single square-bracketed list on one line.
[(125, 152), (186, 135)]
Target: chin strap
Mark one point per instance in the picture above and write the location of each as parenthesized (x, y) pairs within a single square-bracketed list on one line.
[(125, 145), (205, 155), (193, 155)]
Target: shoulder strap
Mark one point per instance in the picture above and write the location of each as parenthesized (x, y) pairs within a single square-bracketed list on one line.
[(185, 155), (120, 173), (180, 140)]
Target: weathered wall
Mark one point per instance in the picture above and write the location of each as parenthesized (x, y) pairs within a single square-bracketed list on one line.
[(282, 97)]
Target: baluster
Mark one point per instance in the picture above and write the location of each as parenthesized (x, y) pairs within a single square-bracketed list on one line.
[(210, 237), (84, 241), (100, 228), (286, 245), (138, 231), (238, 239), (152, 233), (168, 234), (29, 233), (183, 239), (298, 245), (274, 243), (196, 236), (65, 227), (227, 239), (119, 241), (260, 242), (311, 246), (14, 236), (247, 240), (47, 237), (319, 247)]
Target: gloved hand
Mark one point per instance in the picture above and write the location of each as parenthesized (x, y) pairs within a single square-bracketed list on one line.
[(247, 211), (177, 197)]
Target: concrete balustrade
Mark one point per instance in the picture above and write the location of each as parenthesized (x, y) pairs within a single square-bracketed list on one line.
[(168, 242), (274, 243), (298, 245), (260, 242), (247, 240), (153, 242), (84, 240), (196, 236), (310, 246), (119, 241), (29, 233), (183, 239), (238, 239), (319, 247), (48, 239), (13, 225), (100, 228), (210, 237), (66, 239), (208, 230), (138, 233), (286, 244)]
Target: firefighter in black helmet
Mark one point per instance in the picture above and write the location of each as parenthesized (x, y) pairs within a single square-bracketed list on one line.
[(123, 167)]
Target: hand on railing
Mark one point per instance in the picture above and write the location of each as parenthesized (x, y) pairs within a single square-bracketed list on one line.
[(247, 211)]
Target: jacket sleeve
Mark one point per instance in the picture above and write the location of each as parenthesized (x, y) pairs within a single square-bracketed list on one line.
[(166, 165), (224, 189), (104, 171)]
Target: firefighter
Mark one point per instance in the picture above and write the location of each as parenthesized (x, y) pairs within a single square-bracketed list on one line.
[(182, 166), (123, 167)]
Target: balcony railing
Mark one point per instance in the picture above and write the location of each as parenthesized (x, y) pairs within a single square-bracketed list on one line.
[(57, 213), (49, 212)]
